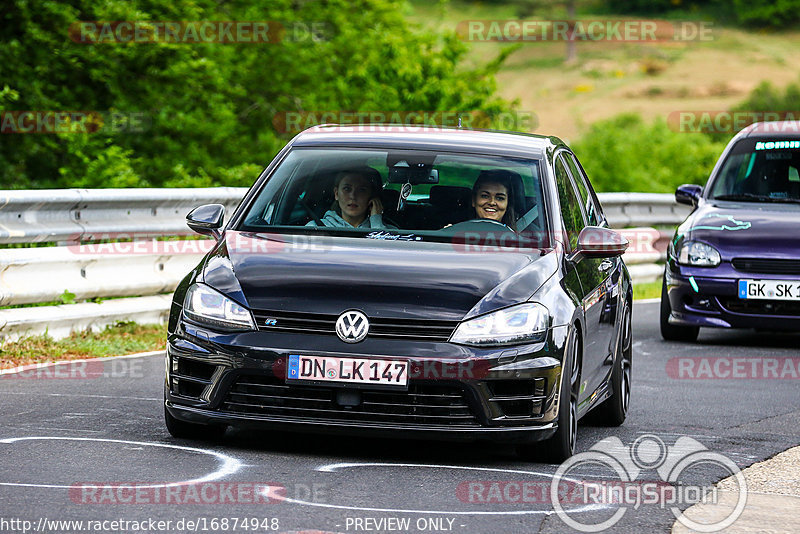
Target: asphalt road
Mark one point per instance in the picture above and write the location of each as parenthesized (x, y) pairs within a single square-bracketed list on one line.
[(73, 443)]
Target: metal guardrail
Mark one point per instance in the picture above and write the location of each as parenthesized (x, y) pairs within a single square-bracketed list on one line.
[(41, 274), (90, 214), (642, 209)]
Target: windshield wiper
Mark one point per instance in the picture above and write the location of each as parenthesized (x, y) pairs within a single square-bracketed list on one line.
[(756, 198)]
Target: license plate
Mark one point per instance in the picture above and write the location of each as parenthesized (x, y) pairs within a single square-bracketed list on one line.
[(347, 370), (769, 290)]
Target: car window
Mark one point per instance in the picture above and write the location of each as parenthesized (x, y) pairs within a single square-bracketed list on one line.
[(570, 204), (590, 208), (425, 192), (760, 170)]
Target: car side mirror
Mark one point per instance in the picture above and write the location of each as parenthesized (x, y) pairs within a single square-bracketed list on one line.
[(206, 219), (688, 194), (599, 242)]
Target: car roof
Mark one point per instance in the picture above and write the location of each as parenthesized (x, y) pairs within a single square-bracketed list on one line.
[(771, 129), (428, 138)]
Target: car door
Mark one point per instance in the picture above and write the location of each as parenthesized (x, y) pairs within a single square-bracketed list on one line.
[(591, 273), (601, 274)]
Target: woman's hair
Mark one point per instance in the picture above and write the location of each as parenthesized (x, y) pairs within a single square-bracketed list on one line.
[(365, 171), (504, 178)]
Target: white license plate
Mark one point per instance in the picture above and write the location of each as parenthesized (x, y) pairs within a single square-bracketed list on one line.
[(347, 370), (769, 290)]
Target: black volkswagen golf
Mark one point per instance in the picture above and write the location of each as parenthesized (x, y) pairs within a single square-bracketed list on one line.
[(407, 281)]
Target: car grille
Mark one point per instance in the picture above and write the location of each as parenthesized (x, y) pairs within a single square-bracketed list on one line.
[(422, 404), (766, 266), (761, 307), (320, 323)]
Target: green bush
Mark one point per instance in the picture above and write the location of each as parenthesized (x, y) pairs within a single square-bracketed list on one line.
[(626, 154), (771, 13), (767, 97)]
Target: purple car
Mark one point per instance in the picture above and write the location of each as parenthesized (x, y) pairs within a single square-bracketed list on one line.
[(735, 261)]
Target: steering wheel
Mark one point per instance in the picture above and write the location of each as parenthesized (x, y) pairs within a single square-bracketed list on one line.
[(480, 221)]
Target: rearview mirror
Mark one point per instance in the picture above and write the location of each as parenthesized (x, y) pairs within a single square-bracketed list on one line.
[(206, 219), (414, 175)]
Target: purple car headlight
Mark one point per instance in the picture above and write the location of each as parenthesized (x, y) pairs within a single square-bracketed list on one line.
[(697, 254)]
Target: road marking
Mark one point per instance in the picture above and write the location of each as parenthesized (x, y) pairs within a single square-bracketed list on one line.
[(330, 468), (159, 399), (35, 366), (228, 464)]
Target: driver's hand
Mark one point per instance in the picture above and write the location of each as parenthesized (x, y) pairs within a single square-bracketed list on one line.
[(376, 206)]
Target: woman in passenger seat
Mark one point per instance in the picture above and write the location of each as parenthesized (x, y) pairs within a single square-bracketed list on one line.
[(357, 202)]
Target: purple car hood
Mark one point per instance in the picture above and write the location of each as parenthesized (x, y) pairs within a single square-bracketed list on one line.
[(746, 229)]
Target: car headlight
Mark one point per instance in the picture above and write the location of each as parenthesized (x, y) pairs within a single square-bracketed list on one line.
[(523, 323), (206, 305), (698, 254)]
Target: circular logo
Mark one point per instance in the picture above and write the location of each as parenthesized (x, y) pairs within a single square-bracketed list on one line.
[(352, 326)]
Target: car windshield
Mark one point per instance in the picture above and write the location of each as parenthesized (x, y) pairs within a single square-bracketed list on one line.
[(760, 171), (423, 195)]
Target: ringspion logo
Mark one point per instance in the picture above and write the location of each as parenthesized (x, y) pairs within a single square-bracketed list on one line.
[(624, 489)]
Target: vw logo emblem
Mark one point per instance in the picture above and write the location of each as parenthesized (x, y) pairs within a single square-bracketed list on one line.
[(352, 326)]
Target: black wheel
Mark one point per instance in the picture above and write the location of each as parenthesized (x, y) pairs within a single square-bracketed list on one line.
[(184, 430), (561, 445), (612, 411), (672, 332)]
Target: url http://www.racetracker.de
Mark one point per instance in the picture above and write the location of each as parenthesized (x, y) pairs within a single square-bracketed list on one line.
[(198, 524)]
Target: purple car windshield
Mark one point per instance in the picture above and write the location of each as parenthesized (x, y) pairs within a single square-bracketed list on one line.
[(760, 170)]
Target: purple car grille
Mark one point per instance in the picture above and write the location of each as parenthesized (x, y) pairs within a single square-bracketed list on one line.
[(761, 307), (766, 266)]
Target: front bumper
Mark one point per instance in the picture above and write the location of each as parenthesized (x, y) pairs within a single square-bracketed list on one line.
[(715, 302), (454, 392)]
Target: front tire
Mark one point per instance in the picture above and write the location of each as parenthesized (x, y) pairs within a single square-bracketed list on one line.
[(614, 410), (672, 332), (561, 445), (184, 430)]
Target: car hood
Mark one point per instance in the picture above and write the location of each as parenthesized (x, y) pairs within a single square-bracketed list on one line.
[(382, 278), (742, 229)]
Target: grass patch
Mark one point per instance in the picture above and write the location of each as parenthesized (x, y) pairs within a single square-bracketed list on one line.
[(647, 290), (121, 338)]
